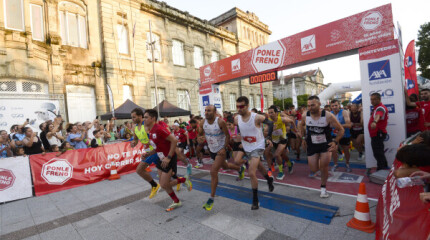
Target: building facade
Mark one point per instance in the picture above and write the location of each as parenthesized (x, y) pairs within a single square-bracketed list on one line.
[(69, 50)]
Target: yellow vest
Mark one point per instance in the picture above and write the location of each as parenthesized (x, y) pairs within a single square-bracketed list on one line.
[(279, 130), (141, 134)]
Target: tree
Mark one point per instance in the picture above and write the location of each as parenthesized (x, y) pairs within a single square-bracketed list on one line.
[(302, 100), (424, 54)]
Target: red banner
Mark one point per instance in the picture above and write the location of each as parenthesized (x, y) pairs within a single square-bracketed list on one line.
[(76, 168), (411, 70), (400, 214), (360, 30)]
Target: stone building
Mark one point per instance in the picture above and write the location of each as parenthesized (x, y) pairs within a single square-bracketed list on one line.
[(68, 50)]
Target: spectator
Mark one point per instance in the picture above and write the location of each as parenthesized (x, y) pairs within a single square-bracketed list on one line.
[(13, 130), (411, 157), (32, 143), (55, 148), (95, 125), (128, 137), (19, 151), (52, 135), (378, 130), (7, 139), (424, 105), (166, 120), (424, 196), (19, 135), (75, 138), (42, 135), (414, 118), (97, 140), (5, 148)]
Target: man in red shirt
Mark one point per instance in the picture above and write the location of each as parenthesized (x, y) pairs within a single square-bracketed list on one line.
[(378, 130), (424, 105), (182, 136), (192, 136), (165, 144)]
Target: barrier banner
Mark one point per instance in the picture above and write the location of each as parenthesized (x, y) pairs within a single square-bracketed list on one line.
[(15, 179), (400, 214), (80, 167)]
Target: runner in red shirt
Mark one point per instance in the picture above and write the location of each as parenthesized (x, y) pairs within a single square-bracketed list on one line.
[(192, 136), (182, 137), (424, 105), (378, 130), (165, 144)]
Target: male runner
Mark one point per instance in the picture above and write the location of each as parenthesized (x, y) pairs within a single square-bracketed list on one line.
[(253, 142), (165, 145), (293, 140), (216, 133), (141, 135), (343, 118), (318, 140), (279, 140), (182, 137), (357, 130)]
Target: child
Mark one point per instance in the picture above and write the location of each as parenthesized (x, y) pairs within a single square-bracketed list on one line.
[(19, 151), (55, 148), (97, 141), (413, 158), (65, 146)]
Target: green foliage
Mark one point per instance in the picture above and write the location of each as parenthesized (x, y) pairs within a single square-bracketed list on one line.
[(424, 54), (288, 102), (344, 103)]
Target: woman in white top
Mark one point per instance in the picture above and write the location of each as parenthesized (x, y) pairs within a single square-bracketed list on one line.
[(53, 135)]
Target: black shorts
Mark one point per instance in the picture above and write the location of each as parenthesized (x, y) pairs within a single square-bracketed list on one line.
[(354, 134), (237, 148), (317, 148), (183, 145), (213, 155), (193, 142), (291, 135), (345, 141), (172, 165), (282, 141)]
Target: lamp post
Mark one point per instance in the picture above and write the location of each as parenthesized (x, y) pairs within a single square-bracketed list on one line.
[(282, 82)]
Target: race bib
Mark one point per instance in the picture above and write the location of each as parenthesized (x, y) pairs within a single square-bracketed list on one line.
[(160, 155), (318, 139), (277, 132), (250, 139), (212, 142), (357, 128)]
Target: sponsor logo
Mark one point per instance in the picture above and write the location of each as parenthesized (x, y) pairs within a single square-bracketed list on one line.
[(371, 21), (334, 35), (205, 100), (7, 178), (250, 139), (235, 65), (410, 84), (391, 108), (17, 115), (154, 136), (57, 171), (218, 106), (308, 43), (379, 70), (268, 56), (387, 137), (408, 61), (221, 69), (384, 93), (207, 71)]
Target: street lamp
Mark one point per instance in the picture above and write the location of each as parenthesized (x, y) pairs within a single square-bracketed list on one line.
[(282, 82)]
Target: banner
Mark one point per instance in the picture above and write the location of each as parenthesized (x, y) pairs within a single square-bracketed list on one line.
[(400, 214), (213, 97), (15, 179), (338, 37), (17, 111), (380, 68), (411, 70), (80, 167)]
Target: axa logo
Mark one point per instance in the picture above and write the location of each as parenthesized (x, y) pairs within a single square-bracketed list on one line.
[(371, 21), (391, 108), (308, 43), (408, 61), (410, 84), (384, 93), (379, 70), (235, 65), (207, 71)]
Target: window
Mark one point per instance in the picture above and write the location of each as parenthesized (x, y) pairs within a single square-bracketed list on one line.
[(178, 53), (36, 15), (161, 96), (183, 99), (73, 25), (266, 102), (214, 56), (198, 57), (122, 32), (14, 12), (157, 46), (251, 101), (82, 32), (127, 93), (232, 101), (258, 102)]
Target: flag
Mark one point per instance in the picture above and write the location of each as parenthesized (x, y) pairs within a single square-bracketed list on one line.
[(411, 70), (294, 95), (358, 99), (112, 106)]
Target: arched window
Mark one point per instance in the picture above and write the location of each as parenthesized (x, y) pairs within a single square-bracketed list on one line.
[(73, 24)]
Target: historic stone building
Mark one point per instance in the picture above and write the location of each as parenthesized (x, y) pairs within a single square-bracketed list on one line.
[(68, 50)]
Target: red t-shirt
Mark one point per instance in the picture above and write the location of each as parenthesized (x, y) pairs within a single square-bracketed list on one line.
[(298, 116), (425, 111), (192, 133), (381, 125), (158, 135), (414, 120), (180, 135)]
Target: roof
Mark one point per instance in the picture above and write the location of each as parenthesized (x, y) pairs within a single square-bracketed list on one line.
[(123, 111), (169, 110), (309, 73)]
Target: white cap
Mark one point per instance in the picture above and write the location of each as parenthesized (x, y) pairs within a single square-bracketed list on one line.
[(176, 124)]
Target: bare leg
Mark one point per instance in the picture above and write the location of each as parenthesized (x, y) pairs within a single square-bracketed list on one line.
[(219, 161), (313, 162), (141, 170), (165, 181), (346, 153), (181, 155), (324, 163), (252, 171)]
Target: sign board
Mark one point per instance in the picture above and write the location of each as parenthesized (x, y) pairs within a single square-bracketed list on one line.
[(15, 179), (263, 77), (213, 97)]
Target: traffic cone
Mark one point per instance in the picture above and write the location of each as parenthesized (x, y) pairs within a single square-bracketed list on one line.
[(114, 172), (150, 167), (361, 220)]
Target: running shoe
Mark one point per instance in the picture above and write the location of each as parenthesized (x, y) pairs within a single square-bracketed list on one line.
[(242, 172), (255, 205), (340, 158), (178, 187), (209, 204), (360, 156), (290, 167), (189, 169), (348, 168), (199, 165), (173, 206), (272, 168), (154, 191), (334, 168), (311, 174), (270, 184), (280, 176), (324, 193), (188, 183)]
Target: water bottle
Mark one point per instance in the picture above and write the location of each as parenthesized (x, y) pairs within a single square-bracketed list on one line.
[(409, 182)]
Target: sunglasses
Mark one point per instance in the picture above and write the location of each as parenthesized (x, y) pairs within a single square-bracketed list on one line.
[(240, 106)]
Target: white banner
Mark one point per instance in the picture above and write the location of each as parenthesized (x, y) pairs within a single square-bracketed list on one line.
[(212, 98), (381, 66), (37, 111), (15, 179)]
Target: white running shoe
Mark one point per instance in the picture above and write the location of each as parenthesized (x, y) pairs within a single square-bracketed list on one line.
[(324, 193)]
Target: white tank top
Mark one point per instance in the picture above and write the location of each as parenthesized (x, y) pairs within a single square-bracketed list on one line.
[(252, 136), (215, 137), (54, 141)]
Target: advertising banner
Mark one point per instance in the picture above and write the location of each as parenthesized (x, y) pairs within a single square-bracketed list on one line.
[(213, 97), (380, 68), (411, 70), (15, 179), (37, 111), (362, 29), (80, 167), (400, 214)]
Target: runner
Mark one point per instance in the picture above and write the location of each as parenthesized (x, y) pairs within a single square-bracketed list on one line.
[(141, 135), (183, 140), (318, 140), (216, 133), (253, 142), (293, 141), (235, 138), (165, 145), (357, 130), (342, 117), (279, 141)]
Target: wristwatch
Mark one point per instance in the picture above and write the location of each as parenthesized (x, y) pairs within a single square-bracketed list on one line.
[(335, 142), (169, 157)]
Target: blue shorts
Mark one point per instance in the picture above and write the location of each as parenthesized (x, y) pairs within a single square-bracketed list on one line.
[(151, 159)]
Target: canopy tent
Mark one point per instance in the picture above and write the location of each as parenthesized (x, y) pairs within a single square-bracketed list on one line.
[(123, 111), (169, 110)]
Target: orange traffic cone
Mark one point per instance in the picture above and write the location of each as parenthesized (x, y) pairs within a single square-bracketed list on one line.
[(361, 220), (150, 167), (114, 172)]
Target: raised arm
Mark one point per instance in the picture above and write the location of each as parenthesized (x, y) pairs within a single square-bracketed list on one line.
[(347, 124)]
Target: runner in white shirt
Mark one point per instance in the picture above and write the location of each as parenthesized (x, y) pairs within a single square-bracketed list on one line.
[(217, 136), (253, 142)]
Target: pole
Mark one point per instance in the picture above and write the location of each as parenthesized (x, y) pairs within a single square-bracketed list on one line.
[(283, 107), (153, 69)]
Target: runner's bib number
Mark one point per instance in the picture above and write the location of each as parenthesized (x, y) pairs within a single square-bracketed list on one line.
[(160, 155), (212, 142), (318, 139)]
